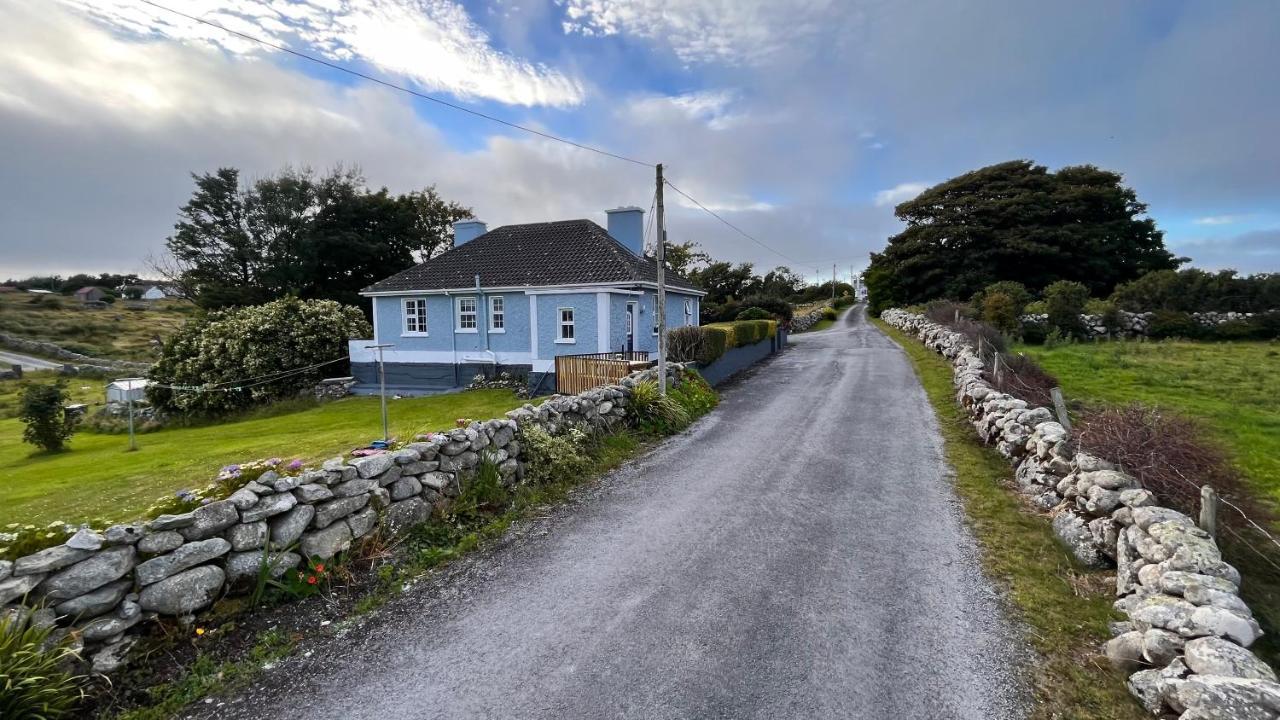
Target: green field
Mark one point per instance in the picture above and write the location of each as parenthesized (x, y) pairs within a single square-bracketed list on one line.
[(1233, 388), (99, 478), (112, 332)]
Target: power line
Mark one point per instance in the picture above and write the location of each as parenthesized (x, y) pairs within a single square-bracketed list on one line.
[(739, 230), (393, 86), (245, 383)]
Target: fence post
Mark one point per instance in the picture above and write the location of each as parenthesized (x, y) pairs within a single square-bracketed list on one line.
[(1060, 407), (998, 383), (1209, 510)]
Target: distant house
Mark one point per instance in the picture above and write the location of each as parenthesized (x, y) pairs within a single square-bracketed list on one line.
[(126, 389), (91, 294), (515, 297), (155, 292)]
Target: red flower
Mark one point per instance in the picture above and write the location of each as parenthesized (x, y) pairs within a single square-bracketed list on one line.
[(311, 579), (320, 568)]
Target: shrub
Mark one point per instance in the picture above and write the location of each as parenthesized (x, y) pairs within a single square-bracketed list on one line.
[(1173, 324), (1036, 307), (715, 340), (829, 313), (1064, 301), (1016, 291), (1266, 325), (1034, 333), (227, 347), (777, 307), (684, 344), (1107, 311), (48, 425), (1023, 378), (695, 395), (754, 313), (657, 413), (944, 312), (1000, 312), (745, 332), (549, 458), (34, 682)]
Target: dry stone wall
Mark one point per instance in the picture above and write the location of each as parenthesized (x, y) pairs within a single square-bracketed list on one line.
[(98, 586), (1186, 638), (76, 361), (1136, 324)]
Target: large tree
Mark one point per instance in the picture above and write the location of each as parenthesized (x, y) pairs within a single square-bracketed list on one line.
[(1017, 221), (301, 234)]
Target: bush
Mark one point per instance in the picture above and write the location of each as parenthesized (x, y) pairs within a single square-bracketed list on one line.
[(1173, 324), (745, 332), (1023, 378), (754, 313), (829, 313), (244, 350), (1064, 301), (684, 344), (1036, 307), (655, 412), (779, 308), (1000, 312), (1107, 311), (1266, 325), (1016, 292), (42, 409), (1034, 333), (945, 312), (549, 458), (715, 340), (34, 682)]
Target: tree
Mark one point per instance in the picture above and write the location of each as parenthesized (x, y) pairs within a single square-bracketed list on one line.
[(43, 409), (1194, 290), (1017, 221), (1000, 312), (1065, 301), (239, 357), (781, 282), (298, 233), (682, 257), (1016, 292), (724, 281)]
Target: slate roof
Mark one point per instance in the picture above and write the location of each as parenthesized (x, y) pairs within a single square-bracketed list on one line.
[(566, 252)]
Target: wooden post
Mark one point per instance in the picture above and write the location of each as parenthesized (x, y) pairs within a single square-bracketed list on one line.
[(1060, 406), (998, 383), (1209, 511)]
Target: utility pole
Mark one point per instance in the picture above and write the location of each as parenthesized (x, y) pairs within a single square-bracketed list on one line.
[(833, 283), (133, 441), (382, 386), (661, 256)]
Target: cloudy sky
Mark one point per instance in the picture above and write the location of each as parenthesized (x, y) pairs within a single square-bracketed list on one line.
[(802, 122)]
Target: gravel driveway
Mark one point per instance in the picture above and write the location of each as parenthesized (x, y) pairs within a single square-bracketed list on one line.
[(799, 553)]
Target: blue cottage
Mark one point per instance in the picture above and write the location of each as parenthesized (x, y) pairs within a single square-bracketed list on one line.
[(513, 298)]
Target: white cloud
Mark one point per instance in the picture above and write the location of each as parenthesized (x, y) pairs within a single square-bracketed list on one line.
[(433, 42), (733, 31), (1217, 220), (900, 193)]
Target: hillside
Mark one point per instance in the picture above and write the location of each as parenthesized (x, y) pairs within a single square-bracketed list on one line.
[(123, 331)]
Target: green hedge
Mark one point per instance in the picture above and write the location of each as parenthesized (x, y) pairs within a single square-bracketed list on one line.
[(715, 340), (741, 333)]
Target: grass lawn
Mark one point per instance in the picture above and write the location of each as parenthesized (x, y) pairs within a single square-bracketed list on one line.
[(91, 391), (98, 478), (1234, 388), (112, 332), (1064, 607)]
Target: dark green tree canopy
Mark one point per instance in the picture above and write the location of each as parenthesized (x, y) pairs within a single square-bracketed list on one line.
[(300, 234), (1017, 221)]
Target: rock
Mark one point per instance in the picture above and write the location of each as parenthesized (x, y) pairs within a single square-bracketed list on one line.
[(86, 539), (1175, 582), (1208, 620), (96, 602), (1147, 686), (1071, 529), (389, 476), (351, 488), (405, 488), (1136, 498), (1229, 698), (48, 560), (242, 568), (90, 574), (286, 529), (258, 488), (248, 536), (1108, 480), (186, 592), (1164, 612), (1160, 647), (124, 534), (189, 555), (107, 627), (1102, 501), (311, 494), (160, 542), (43, 619), (328, 513), (327, 542), (6, 569), (18, 586), (1125, 651), (420, 467), (379, 498), (243, 499), (1215, 656), (1201, 595), (371, 465), (113, 657), (1225, 572), (211, 520), (405, 456), (1090, 463), (269, 506), (461, 461), (404, 515), (437, 481), (285, 484), (1145, 517), (172, 522), (1119, 627), (361, 523)]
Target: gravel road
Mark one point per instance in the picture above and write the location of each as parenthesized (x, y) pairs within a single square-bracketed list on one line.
[(799, 553)]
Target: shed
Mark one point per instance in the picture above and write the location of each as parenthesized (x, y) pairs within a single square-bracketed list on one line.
[(126, 389), (90, 294), (155, 292)]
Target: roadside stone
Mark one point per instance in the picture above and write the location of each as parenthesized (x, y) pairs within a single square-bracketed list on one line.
[(189, 555), (361, 523), (18, 586), (1136, 498), (311, 494), (1210, 620), (96, 602), (86, 539), (123, 534), (462, 461), (1071, 529), (172, 522), (404, 515), (248, 536), (242, 568), (1164, 612), (286, 529), (351, 488), (243, 499), (268, 506), (210, 520), (90, 574), (1147, 686), (6, 569), (107, 627), (327, 542), (371, 465), (160, 542), (113, 657), (1215, 656), (1125, 651), (405, 488), (437, 481), (389, 476), (1160, 647), (1176, 582), (1229, 698), (1145, 517), (406, 455), (185, 592), (1201, 595), (328, 513), (48, 560), (285, 484), (420, 467)]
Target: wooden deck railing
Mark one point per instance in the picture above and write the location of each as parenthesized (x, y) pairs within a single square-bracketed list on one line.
[(578, 373)]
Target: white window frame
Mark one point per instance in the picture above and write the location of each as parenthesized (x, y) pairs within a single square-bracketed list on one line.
[(474, 313), (655, 316), (420, 319), (561, 325), (497, 314), (688, 313)]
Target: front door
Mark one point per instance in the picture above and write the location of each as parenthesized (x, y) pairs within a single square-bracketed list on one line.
[(631, 327)]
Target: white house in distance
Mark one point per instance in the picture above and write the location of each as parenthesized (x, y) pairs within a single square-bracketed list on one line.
[(514, 298), (126, 389), (155, 292)]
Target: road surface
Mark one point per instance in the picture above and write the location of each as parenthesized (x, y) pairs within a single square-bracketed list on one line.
[(8, 359), (798, 554)]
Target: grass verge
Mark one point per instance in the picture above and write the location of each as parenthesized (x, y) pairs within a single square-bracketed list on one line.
[(1064, 607)]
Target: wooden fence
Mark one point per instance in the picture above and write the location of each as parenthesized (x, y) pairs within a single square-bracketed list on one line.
[(577, 373)]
